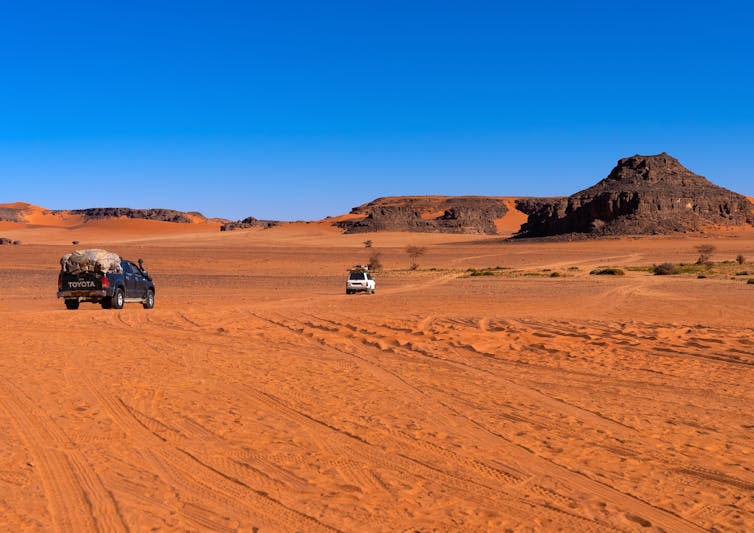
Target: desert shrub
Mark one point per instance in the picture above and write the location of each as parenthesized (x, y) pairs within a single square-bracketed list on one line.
[(743, 273), (555, 275), (750, 282), (740, 259), (414, 253), (573, 268), (607, 272), (74, 242), (705, 252), (482, 272), (375, 262), (665, 269), (701, 276), (368, 243), (16, 242)]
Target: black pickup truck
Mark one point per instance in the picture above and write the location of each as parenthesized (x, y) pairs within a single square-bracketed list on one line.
[(111, 290)]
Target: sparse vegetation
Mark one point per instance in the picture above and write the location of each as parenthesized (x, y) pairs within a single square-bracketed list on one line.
[(740, 259), (607, 272), (665, 269), (487, 271), (556, 275), (368, 243), (375, 262), (414, 253), (640, 268), (705, 253), (750, 282)]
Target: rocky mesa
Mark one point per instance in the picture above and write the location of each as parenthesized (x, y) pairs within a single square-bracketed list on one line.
[(643, 194), (430, 214), (163, 215)]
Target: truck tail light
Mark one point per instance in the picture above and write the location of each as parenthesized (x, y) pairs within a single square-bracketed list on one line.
[(105, 282)]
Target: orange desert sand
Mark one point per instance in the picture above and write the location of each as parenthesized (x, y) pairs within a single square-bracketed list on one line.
[(257, 396)]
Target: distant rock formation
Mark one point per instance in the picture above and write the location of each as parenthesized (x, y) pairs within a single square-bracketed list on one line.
[(248, 222), (8, 214), (642, 195), (428, 214), (164, 215)]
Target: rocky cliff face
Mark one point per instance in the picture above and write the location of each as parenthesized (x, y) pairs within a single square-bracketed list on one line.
[(642, 195), (164, 215), (429, 214)]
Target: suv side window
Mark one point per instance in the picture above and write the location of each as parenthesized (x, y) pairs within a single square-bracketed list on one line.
[(126, 266), (134, 268)]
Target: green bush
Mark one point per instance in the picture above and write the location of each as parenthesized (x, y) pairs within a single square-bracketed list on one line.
[(555, 275), (750, 282), (607, 272)]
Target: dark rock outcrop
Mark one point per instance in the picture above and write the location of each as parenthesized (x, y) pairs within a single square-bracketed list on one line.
[(8, 214), (642, 195), (164, 215), (248, 222), (428, 214)]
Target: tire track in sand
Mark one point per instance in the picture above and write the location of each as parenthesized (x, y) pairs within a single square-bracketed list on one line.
[(536, 465), (76, 498), (198, 481)]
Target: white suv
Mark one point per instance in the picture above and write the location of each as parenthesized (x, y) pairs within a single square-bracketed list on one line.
[(359, 280)]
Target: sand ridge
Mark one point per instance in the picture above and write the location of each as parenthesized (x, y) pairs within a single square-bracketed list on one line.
[(257, 395)]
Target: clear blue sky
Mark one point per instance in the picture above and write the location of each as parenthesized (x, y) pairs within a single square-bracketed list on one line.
[(299, 110)]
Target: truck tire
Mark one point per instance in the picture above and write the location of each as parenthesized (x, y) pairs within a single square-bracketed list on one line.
[(71, 304), (118, 299), (106, 303), (149, 300)]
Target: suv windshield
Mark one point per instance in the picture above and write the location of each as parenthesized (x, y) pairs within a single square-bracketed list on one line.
[(356, 275)]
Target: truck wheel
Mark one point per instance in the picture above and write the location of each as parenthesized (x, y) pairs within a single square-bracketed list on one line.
[(106, 303), (372, 291), (117, 300), (149, 300), (71, 304)]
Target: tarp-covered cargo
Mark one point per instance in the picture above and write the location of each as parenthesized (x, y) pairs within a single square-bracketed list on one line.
[(93, 260)]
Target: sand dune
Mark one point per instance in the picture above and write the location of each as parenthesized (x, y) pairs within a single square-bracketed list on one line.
[(257, 395)]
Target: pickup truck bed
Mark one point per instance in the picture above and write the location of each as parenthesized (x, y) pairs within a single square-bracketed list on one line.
[(111, 290)]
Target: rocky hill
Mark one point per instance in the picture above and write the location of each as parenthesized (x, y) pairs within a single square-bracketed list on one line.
[(429, 214), (164, 215), (8, 214), (642, 195), (248, 222)]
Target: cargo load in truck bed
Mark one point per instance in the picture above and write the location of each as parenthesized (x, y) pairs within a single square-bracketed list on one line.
[(93, 260)]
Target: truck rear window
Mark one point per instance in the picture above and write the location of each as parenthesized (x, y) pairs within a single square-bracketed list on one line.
[(356, 275)]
